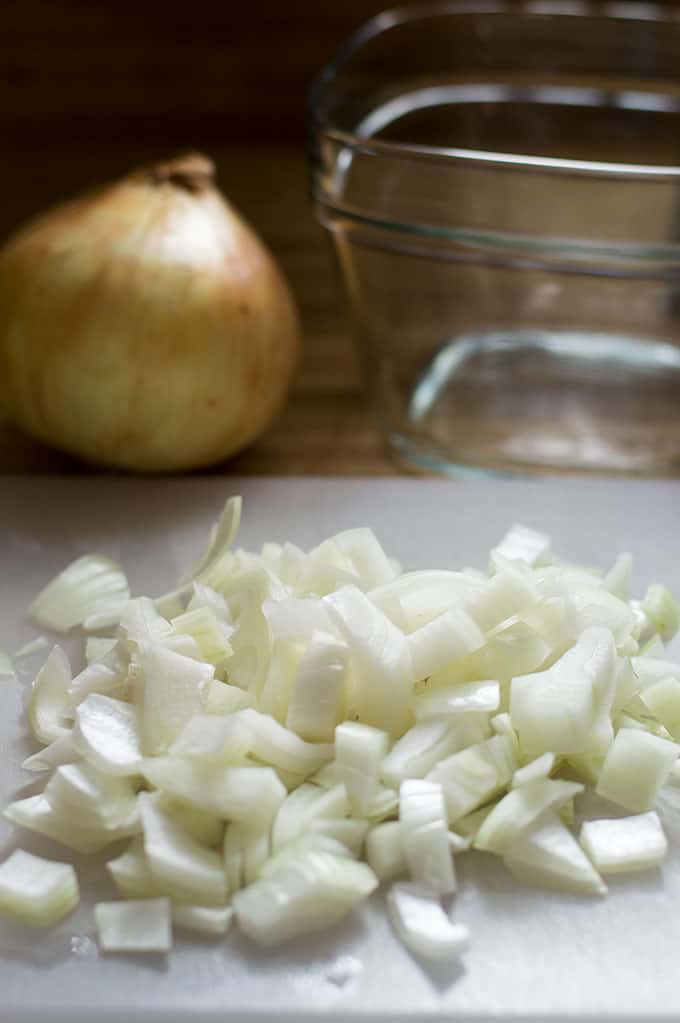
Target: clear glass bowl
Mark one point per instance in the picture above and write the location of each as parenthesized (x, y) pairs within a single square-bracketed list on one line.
[(502, 184)]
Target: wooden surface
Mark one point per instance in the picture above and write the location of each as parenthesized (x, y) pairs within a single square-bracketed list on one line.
[(88, 90)]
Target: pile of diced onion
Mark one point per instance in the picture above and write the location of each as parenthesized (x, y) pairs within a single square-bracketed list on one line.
[(287, 730)]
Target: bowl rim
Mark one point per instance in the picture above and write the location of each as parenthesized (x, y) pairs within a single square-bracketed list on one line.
[(615, 10)]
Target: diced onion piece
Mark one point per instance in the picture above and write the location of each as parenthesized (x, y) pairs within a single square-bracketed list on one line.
[(502, 725), (636, 766), (424, 830), (305, 804), (97, 647), (214, 920), (205, 827), (422, 596), (222, 698), (548, 855), (555, 710), (225, 739), (535, 769), (507, 593), (97, 678), (92, 591), (106, 732), (140, 925), (313, 892), (61, 751), (519, 810), (369, 562), (521, 543), (37, 891), (475, 775), (106, 800), (6, 666), (359, 752), (48, 706), (351, 833), (385, 851), (316, 698), (383, 806), (279, 746), (131, 872), (297, 618), (595, 607), (36, 813), (222, 535), (380, 660), (172, 693), (186, 869), (34, 646), (617, 579), (422, 925), (461, 698), (458, 844), (447, 638), (663, 700), (649, 670), (232, 793), (211, 634), (625, 843), (233, 857), (429, 742), (662, 609)]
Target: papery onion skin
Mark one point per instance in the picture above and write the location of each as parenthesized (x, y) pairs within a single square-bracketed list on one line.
[(144, 325)]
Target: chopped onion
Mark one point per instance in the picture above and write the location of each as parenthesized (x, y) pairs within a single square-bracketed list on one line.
[(520, 809), (422, 925), (523, 544), (381, 664), (141, 925), (663, 700), (461, 698), (232, 793), (555, 710), (61, 751), (430, 742), (424, 831), (34, 646), (359, 752), (49, 706), (535, 769), (92, 591), (549, 855), (635, 768), (283, 715), (213, 920), (625, 843), (172, 692), (317, 692), (447, 638), (37, 891), (312, 892), (475, 775), (106, 733), (187, 870)]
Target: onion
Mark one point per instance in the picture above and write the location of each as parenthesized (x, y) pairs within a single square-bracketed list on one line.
[(35, 890), (279, 717), (145, 325)]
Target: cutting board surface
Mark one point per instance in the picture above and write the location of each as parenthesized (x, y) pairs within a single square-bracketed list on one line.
[(532, 951)]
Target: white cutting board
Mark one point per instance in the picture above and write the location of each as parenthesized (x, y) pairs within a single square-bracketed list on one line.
[(533, 952)]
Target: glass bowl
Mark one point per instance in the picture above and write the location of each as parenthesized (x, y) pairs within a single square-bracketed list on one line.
[(502, 185)]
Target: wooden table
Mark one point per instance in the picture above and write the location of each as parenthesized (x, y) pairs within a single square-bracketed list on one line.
[(90, 90)]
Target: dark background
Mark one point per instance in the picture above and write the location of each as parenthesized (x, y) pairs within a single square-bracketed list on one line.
[(92, 88), (88, 90)]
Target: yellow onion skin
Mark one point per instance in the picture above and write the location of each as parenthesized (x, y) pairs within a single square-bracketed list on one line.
[(145, 326)]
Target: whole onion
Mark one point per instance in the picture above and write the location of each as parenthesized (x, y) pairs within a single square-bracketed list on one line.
[(145, 325)]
